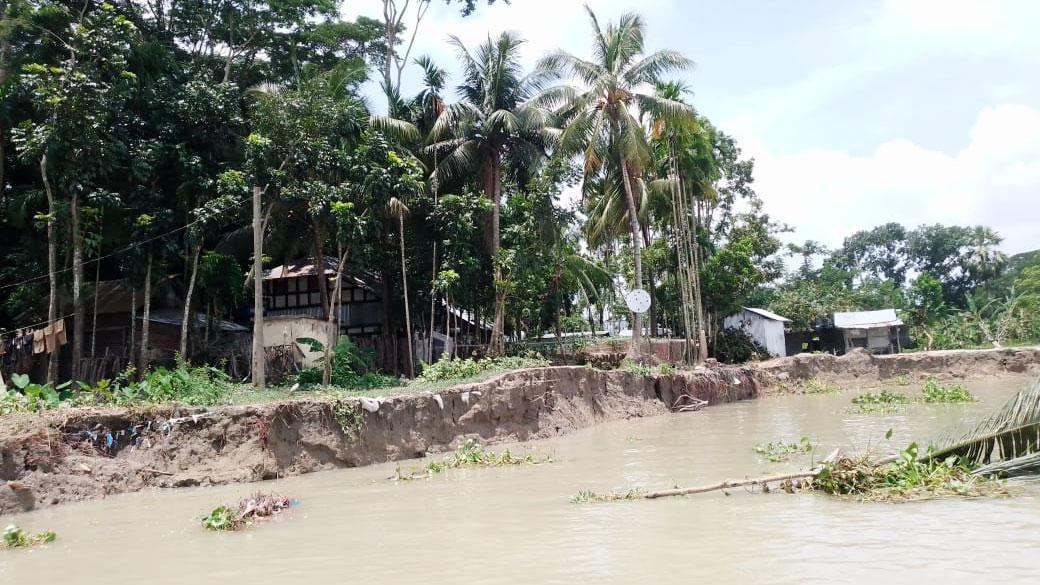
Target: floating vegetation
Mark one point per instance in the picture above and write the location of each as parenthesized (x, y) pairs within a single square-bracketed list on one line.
[(936, 392), (15, 537), (589, 496), (883, 401), (781, 451), (469, 454), (249, 510), (907, 477)]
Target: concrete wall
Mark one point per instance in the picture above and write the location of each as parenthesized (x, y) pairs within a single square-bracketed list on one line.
[(286, 329)]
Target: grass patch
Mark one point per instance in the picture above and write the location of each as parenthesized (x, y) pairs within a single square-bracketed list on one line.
[(248, 511), (591, 497), (781, 451), (16, 537), (469, 454), (808, 386)]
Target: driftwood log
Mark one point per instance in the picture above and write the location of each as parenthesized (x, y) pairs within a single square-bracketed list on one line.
[(812, 473)]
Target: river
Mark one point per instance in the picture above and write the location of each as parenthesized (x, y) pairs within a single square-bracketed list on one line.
[(516, 525)]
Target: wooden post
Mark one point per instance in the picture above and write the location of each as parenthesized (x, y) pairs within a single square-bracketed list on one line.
[(259, 379)]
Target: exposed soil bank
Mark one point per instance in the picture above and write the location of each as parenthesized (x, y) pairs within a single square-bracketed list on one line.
[(79, 454), (861, 367)]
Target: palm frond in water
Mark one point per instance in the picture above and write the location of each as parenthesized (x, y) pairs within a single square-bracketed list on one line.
[(1007, 443)]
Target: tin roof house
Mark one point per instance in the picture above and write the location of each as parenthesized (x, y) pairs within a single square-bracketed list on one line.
[(765, 327), (875, 331)]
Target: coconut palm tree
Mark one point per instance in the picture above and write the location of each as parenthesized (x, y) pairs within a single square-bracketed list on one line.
[(603, 115), (983, 260), (492, 122)]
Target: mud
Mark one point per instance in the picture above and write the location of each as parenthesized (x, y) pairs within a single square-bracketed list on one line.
[(80, 454), (861, 367)]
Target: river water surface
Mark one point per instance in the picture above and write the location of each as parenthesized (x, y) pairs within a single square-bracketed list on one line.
[(516, 525)]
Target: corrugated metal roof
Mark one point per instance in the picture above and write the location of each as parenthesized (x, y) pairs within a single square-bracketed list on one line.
[(867, 319), (767, 314), (307, 268)]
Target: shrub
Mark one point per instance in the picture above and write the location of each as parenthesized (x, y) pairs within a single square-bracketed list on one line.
[(351, 367), (735, 346), (460, 369)]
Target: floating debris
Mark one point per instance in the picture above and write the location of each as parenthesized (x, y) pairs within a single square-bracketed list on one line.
[(257, 507)]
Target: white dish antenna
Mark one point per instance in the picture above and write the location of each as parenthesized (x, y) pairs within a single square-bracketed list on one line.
[(638, 300)]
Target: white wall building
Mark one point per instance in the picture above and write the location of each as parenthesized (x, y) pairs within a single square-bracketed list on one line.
[(876, 331), (765, 327)]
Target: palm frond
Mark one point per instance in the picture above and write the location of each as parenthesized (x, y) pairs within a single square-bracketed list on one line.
[(1006, 441), (398, 130)]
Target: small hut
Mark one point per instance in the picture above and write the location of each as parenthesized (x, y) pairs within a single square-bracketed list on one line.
[(875, 331), (765, 327)]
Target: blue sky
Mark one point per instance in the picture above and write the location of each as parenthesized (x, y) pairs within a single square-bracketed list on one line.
[(857, 113)]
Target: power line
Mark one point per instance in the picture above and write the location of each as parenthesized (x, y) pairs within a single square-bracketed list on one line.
[(120, 251)]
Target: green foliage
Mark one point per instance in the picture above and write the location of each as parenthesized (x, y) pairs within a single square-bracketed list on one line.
[(781, 451), (469, 454), (636, 368), (461, 369), (351, 367), (909, 477), (186, 384), (934, 391), (350, 417), (735, 346), (15, 537), (817, 386), (884, 401), (221, 519)]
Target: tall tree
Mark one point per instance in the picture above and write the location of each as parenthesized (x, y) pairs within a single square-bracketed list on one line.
[(494, 121), (602, 115), (78, 138)]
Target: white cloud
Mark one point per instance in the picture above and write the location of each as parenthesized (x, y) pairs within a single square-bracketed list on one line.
[(828, 194)]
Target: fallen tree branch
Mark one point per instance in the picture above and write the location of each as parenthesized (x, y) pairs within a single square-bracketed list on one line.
[(815, 471)]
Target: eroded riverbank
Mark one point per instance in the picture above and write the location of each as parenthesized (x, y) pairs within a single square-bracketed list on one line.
[(515, 525), (78, 454)]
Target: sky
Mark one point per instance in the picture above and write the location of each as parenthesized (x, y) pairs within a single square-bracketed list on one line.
[(857, 113)]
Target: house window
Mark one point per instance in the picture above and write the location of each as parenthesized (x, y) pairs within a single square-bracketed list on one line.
[(279, 302), (305, 284), (292, 284)]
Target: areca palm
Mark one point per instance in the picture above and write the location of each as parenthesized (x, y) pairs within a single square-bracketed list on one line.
[(492, 122), (602, 114)]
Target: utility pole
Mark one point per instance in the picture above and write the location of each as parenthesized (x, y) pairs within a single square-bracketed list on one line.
[(259, 379)]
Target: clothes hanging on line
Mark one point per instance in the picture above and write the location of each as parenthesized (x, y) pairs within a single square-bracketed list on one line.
[(39, 344)]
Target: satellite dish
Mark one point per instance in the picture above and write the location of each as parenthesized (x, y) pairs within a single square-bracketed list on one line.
[(638, 300)]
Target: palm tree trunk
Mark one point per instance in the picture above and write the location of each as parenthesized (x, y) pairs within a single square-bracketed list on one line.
[(142, 357), (635, 349), (52, 264), (497, 345), (187, 317), (404, 287)]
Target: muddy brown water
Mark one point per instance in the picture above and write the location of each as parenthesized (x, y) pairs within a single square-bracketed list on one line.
[(517, 526)]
